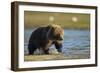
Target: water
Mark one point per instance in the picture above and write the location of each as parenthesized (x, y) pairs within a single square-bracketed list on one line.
[(76, 43)]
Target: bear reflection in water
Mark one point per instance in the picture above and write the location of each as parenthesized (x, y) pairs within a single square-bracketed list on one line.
[(43, 37)]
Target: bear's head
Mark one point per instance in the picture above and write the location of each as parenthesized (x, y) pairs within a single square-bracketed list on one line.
[(55, 32)]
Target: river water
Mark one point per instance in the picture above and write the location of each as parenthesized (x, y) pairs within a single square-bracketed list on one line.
[(76, 43)]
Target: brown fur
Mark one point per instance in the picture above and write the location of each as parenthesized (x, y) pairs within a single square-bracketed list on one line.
[(44, 37)]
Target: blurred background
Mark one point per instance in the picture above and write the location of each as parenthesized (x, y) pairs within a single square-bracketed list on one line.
[(66, 20)]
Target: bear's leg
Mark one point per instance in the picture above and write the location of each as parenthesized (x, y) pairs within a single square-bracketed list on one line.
[(58, 46), (31, 50), (46, 51)]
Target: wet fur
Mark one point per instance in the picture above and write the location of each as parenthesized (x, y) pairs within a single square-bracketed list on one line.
[(43, 38)]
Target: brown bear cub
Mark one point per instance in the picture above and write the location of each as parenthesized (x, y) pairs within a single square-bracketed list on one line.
[(44, 37)]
